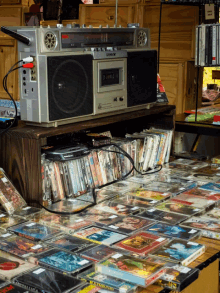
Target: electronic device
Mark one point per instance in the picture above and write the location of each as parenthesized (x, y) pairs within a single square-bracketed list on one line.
[(84, 73)]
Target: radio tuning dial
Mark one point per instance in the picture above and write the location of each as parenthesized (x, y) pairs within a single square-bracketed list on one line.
[(59, 25)]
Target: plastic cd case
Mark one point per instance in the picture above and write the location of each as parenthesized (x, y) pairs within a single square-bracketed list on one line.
[(130, 224), (11, 266), (173, 231), (141, 243), (135, 201), (88, 289), (123, 186), (177, 277), (27, 212), (34, 231), (69, 206), (179, 208), (213, 214), (10, 198), (7, 221), (67, 224), (116, 208), (12, 288), (142, 272), (47, 281), (150, 195), (98, 253), (209, 228), (180, 251), (104, 194), (195, 201), (99, 235), (63, 261), (166, 217), (70, 243), (19, 246), (214, 187), (210, 195), (107, 282)]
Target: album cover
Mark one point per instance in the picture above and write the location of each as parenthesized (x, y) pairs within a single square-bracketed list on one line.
[(151, 195), (173, 231), (135, 201), (11, 266), (210, 228), (34, 231), (12, 288), (195, 201), (205, 193), (106, 282), (165, 217), (67, 224), (123, 186), (141, 243), (70, 243), (99, 235), (43, 280), (100, 218), (141, 272), (63, 261), (98, 253), (130, 224), (176, 207), (214, 187), (204, 177), (208, 170), (180, 251), (89, 289), (213, 214), (10, 198), (27, 212), (19, 246), (7, 221), (69, 206), (116, 208), (177, 277)]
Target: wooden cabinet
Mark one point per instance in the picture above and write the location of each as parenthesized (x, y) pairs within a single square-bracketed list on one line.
[(96, 15), (180, 82)]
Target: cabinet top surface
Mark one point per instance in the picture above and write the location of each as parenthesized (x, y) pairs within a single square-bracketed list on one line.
[(37, 132)]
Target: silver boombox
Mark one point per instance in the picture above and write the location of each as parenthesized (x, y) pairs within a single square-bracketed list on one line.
[(84, 73)]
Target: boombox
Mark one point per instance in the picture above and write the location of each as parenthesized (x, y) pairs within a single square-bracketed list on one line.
[(84, 73)]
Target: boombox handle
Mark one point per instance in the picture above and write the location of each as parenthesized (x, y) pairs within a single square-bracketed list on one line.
[(16, 36)]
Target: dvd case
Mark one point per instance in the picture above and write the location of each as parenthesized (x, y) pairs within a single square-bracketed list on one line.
[(69, 243), (141, 243), (99, 235), (180, 251), (165, 217), (34, 231), (10, 198), (98, 253), (11, 266), (7, 221), (173, 231), (130, 224), (63, 261), (43, 280), (106, 282), (177, 277), (142, 272)]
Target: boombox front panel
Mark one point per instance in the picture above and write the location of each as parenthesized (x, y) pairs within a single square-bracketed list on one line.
[(70, 86), (142, 77)]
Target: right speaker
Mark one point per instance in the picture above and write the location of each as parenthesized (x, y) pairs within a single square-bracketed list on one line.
[(143, 38), (141, 77)]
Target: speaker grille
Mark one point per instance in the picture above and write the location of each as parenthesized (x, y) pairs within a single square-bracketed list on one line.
[(70, 87)]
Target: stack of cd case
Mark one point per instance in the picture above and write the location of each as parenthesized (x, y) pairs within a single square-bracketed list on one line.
[(42, 280), (107, 282)]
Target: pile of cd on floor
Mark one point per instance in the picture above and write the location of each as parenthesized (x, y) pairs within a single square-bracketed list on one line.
[(142, 230)]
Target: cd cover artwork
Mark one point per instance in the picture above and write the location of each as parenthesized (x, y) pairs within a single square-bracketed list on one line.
[(210, 195), (116, 208), (180, 251), (19, 246), (151, 195), (173, 231), (141, 243), (213, 214), (141, 272), (195, 201), (106, 282), (104, 194), (27, 212), (99, 235), (130, 224), (11, 266), (98, 253), (214, 187), (63, 261), (123, 186), (89, 289), (69, 206), (176, 207), (10, 198), (165, 217), (136, 202), (12, 288), (34, 231), (45, 280), (70, 243), (7, 221)]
